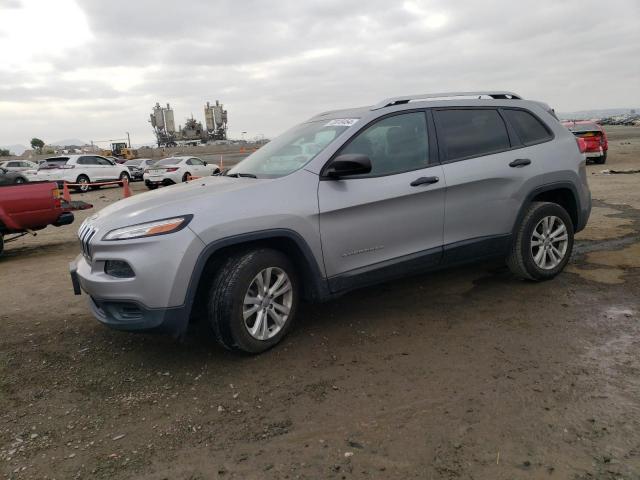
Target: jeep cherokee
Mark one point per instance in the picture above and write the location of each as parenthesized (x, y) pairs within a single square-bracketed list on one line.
[(346, 199)]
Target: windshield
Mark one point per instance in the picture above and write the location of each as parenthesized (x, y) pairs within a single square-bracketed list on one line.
[(169, 161), (292, 150)]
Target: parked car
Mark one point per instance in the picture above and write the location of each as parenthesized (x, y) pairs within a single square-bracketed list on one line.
[(19, 165), (137, 167), (177, 169), (594, 137), (80, 169), (8, 177), (29, 207), (412, 184)]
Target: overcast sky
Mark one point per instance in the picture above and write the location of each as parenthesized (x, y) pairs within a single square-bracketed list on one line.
[(93, 69)]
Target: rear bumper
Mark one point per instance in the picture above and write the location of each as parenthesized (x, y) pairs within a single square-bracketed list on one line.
[(165, 181), (595, 153), (65, 218)]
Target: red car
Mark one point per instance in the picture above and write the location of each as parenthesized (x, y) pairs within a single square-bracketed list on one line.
[(593, 137), (27, 207)]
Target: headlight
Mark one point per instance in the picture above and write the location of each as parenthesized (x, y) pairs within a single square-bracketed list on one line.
[(149, 229)]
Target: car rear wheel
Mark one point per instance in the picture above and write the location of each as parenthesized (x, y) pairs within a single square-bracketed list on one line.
[(19, 180), (151, 187), (253, 300), (543, 243), (84, 186), (123, 176), (186, 176)]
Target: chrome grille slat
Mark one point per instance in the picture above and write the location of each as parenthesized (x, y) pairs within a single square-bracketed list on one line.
[(85, 234)]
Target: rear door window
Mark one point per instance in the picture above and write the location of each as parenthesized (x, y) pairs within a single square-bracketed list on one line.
[(467, 133), (527, 127), (102, 162)]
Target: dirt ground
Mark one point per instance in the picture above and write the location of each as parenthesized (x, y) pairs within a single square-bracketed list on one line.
[(467, 373)]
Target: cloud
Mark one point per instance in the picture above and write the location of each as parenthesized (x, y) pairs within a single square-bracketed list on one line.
[(277, 63)]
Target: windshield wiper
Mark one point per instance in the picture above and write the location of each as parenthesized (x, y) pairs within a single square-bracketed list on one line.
[(236, 175)]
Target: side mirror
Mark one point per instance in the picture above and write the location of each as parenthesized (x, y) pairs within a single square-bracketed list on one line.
[(347, 165), (204, 162)]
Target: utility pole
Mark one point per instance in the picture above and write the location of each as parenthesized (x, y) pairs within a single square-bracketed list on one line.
[(128, 139)]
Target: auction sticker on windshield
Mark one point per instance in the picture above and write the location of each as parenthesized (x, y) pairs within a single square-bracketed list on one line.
[(342, 122)]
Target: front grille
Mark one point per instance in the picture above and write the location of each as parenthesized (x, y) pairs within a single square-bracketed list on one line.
[(85, 234)]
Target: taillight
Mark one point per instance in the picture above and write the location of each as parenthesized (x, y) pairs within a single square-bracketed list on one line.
[(582, 145), (172, 169), (57, 198)]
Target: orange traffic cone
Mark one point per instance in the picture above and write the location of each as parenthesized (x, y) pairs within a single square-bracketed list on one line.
[(65, 192), (126, 190)]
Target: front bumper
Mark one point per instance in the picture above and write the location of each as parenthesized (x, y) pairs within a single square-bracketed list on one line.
[(154, 299), (131, 316)]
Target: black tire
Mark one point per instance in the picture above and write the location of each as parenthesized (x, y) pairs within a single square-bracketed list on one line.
[(186, 176), (521, 259), (216, 172), (124, 175), (82, 179), (152, 187), (19, 180), (226, 297), (602, 159)]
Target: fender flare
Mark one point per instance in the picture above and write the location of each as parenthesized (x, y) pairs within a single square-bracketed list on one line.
[(546, 188), (315, 283)]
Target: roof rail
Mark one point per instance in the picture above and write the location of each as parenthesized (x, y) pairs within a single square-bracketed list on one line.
[(496, 95)]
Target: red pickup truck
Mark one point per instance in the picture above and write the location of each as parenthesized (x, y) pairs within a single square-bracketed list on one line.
[(27, 207)]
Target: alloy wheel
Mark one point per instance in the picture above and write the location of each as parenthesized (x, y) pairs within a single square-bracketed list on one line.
[(549, 242), (267, 303)]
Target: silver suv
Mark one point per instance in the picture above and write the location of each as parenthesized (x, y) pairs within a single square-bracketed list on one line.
[(346, 199)]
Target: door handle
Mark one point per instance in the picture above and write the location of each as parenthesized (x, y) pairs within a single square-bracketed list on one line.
[(424, 181), (520, 162)]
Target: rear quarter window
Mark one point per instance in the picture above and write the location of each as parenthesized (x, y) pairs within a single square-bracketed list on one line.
[(529, 129), (470, 133)]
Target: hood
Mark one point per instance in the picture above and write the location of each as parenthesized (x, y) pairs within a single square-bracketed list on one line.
[(183, 198)]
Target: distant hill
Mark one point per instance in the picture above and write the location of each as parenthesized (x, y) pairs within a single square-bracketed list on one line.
[(68, 141), (15, 149), (589, 114)]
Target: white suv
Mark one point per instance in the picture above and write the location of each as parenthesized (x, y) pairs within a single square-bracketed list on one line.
[(80, 169), (19, 166), (177, 169)]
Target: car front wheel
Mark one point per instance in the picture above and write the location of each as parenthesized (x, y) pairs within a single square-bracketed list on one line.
[(543, 242), (253, 300)]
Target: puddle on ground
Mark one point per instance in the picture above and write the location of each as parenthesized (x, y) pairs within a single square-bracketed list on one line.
[(602, 226), (608, 276), (628, 257), (619, 311)]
